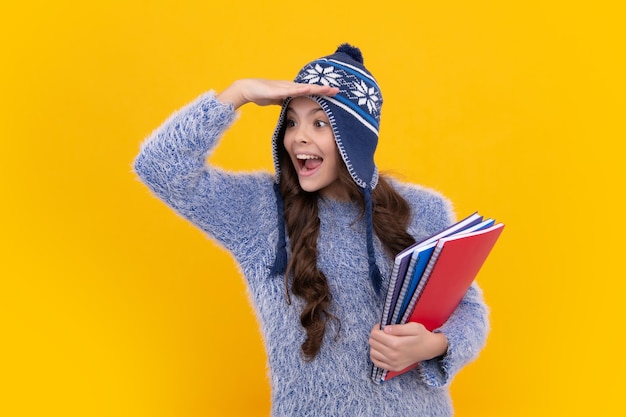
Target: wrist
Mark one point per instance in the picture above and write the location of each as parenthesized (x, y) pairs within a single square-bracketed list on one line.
[(439, 345), (232, 95)]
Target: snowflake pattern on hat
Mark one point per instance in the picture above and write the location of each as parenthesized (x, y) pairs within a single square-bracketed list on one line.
[(358, 94), (325, 76), (367, 95)]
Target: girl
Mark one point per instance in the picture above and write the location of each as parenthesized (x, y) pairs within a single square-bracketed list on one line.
[(316, 242)]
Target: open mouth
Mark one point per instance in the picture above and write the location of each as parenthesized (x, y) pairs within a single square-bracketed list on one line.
[(308, 163)]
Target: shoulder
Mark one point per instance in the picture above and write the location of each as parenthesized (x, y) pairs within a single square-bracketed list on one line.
[(431, 211)]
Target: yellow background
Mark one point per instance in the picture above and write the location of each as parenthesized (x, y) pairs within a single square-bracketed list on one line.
[(113, 306)]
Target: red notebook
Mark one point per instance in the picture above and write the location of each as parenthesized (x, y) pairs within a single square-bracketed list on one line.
[(450, 272)]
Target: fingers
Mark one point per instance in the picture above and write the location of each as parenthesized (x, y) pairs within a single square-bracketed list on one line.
[(284, 89), (314, 90), (265, 92), (384, 356), (378, 350), (397, 346), (381, 348), (408, 329)]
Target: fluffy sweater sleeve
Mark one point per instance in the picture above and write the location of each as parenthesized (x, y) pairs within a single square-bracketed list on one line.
[(466, 331), (230, 207)]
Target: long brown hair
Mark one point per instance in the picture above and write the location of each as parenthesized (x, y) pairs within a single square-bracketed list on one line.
[(391, 216)]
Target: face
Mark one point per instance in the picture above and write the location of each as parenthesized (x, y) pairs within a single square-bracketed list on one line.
[(311, 146)]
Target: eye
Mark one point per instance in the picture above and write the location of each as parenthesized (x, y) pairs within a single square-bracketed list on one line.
[(320, 123), (289, 123)]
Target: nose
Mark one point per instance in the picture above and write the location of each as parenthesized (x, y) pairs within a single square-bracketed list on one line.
[(301, 136)]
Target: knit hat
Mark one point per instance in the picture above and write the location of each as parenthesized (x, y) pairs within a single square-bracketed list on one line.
[(354, 115)]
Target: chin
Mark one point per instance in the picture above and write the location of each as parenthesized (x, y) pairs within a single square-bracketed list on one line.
[(309, 188)]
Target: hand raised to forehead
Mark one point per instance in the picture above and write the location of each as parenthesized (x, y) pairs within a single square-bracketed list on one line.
[(265, 92)]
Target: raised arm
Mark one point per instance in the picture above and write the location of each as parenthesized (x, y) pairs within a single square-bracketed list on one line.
[(172, 163)]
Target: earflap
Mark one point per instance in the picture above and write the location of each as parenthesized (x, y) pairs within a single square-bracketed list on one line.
[(280, 263), (374, 272)]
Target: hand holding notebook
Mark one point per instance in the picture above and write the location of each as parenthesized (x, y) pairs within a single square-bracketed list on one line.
[(430, 278)]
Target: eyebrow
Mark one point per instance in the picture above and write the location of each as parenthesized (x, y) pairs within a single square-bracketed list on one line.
[(313, 111)]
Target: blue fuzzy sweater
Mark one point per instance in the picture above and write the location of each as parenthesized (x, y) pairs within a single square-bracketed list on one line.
[(239, 211)]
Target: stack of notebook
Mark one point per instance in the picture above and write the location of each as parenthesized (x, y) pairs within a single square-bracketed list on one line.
[(430, 278)]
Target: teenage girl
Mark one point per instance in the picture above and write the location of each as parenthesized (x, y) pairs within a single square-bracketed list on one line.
[(315, 241)]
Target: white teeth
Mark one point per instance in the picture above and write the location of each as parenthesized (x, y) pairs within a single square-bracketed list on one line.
[(302, 156)]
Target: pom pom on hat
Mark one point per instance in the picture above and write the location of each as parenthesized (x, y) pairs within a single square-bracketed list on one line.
[(352, 51)]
